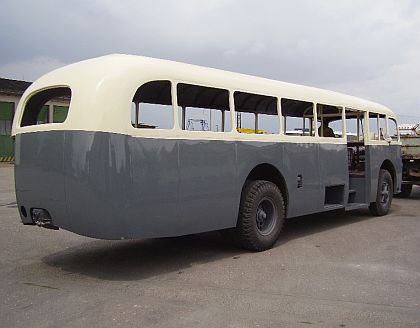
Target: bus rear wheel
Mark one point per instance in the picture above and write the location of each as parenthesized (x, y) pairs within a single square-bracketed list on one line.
[(384, 194), (261, 215)]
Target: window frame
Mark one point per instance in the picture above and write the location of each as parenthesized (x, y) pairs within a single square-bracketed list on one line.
[(363, 127), (137, 108), (177, 108), (24, 125), (278, 111), (283, 130), (394, 119), (379, 140), (342, 110), (233, 134)]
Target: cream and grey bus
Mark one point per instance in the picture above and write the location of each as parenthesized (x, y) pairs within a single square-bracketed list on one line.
[(152, 148)]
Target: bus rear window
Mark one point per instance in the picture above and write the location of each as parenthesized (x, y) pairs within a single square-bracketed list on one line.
[(47, 106)]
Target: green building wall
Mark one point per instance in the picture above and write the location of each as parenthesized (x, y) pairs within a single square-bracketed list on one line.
[(6, 141)]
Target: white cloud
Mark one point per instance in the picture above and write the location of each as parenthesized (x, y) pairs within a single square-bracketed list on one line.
[(368, 49), (29, 70), (397, 87)]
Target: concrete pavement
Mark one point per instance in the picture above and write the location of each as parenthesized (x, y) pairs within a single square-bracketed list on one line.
[(328, 270)]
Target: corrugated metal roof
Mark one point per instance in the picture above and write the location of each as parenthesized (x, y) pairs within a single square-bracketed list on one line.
[(16, 87)]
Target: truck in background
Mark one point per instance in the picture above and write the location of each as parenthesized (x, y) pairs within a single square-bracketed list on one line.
[(410, 150)]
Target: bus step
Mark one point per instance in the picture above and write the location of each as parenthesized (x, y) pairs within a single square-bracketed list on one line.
[(329, 207), (352, 191), (355, 206)]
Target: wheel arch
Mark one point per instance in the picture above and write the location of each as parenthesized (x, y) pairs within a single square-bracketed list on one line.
[(387, 165), (269, 172)]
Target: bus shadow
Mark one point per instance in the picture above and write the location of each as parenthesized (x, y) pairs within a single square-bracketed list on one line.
[(137, 260), (140, 259), (302, 226)]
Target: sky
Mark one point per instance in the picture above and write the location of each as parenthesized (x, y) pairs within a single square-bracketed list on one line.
[(369, 49)]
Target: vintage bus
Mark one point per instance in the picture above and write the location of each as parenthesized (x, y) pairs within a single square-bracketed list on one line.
[(153, 148)]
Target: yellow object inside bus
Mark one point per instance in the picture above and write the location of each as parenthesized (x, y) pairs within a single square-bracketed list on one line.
[(251, 131)]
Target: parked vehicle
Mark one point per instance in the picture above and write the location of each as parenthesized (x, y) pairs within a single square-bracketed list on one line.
[(123, 164), (410, 152)]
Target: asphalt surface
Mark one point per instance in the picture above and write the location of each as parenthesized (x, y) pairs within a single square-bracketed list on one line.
[(328, 270)]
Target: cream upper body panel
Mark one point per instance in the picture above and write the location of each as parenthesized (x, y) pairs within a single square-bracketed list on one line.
[(103, 88)]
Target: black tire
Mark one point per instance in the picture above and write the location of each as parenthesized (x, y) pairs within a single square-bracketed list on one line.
[(384, 194), (405, 191), (261, 216)]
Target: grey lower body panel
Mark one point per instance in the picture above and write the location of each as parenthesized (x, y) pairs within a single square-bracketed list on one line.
[(376, 156), (114, 186)]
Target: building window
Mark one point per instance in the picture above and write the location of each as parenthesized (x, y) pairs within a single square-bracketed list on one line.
[(60, 114), (5, 127), (6, 118)]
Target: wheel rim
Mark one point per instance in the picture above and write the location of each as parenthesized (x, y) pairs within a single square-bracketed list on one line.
[(385, 192), (266, 216)]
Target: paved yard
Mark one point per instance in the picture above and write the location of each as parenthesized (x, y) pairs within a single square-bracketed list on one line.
[(329, 270)]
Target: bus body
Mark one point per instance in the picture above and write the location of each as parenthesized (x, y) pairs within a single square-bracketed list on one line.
[(107, 173)]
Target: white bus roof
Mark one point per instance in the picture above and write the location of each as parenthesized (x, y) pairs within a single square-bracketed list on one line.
[(144, 68), (103, 88)]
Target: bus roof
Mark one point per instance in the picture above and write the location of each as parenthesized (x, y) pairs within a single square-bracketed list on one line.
[(106, 66), (110, 82), (138, 68)]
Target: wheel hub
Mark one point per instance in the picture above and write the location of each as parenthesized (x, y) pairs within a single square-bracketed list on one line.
[(385, 193), (261, 217), (266, 216)]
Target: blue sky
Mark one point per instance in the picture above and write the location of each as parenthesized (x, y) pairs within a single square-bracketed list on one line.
[(367, 49)]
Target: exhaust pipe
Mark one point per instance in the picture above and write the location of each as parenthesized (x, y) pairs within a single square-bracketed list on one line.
[(42, 218)]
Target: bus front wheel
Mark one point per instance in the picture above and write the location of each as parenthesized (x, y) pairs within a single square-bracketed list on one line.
[(261, 215), (383, 194)]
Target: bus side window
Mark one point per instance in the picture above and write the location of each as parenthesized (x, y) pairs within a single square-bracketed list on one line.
[(256, 113), (203, 108), (354, 125), (330, 122), (151, 107), (393, 129), (377, 126), (383, 131), (297, 117)]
